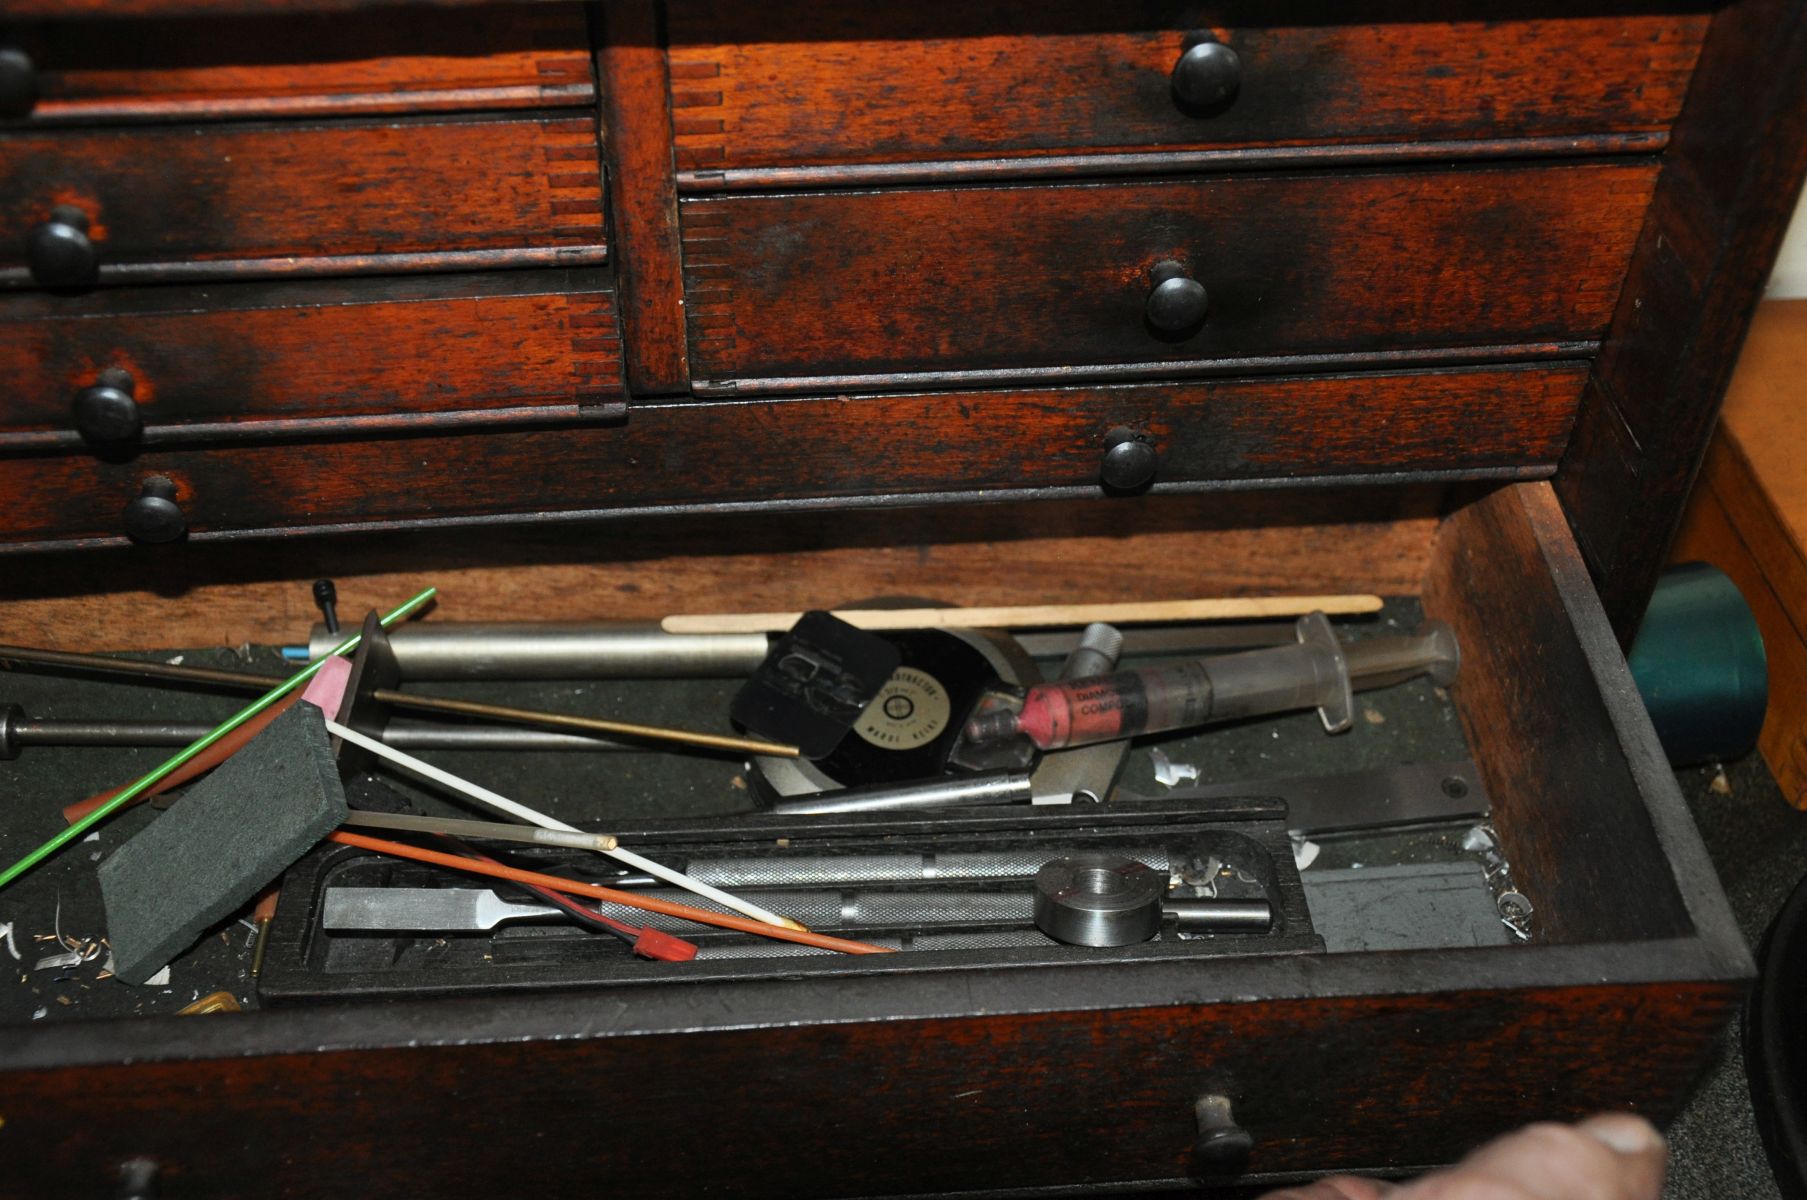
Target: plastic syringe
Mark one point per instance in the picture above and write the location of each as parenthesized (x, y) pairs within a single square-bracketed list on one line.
[(1319, 671)]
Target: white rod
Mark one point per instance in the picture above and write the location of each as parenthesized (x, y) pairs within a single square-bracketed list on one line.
[(521, 812)]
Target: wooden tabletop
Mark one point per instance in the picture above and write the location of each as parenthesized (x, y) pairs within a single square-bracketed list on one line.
[(1763, 419), (1748, 516)]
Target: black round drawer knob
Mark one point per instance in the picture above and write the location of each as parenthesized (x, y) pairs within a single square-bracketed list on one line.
[(1222, 1148), (1178, 303), (60, 251), (1207, 76), (18, 82), (107, 413), (155, 516), (1129, 461)]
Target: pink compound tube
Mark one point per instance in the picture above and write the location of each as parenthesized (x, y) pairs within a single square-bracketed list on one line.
[(1107, 708), (1319, 671)]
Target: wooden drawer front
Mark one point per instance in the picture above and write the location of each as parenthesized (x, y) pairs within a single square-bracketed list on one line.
[(1507, 422), (388, 61), (919, 1106), (755, 86), (254, 352), (943, 280), (352, 196)]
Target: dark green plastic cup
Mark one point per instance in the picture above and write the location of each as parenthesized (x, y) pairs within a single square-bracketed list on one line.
[(1699, 664)]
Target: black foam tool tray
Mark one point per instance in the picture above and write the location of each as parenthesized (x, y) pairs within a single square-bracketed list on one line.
[(307, 962)]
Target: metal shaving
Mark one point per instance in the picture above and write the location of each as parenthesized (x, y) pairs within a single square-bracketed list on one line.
[(1514, 906), (69, 958), (1168, 773)]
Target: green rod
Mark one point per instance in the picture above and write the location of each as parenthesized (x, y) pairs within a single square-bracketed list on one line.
[(69, 834)]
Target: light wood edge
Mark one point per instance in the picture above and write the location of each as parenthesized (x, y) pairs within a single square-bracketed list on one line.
[(1038, 616)]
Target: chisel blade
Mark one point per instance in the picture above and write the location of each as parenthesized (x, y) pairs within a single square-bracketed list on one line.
[(422, 910)]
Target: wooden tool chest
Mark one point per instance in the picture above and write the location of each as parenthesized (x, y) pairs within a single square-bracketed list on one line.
[(624, 309)]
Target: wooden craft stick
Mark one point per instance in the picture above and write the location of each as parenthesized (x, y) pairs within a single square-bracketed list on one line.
[(1037, 616)]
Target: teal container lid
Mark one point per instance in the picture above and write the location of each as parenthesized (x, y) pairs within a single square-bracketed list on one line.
[(1699, 664)]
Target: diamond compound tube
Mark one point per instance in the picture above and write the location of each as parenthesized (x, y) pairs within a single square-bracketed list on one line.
[(1104, 708), (1315, 673)]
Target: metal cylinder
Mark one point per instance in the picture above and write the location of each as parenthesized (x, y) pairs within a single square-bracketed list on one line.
[(1099, 899), (555, 650), (642, 650), (965, 792), (801, 871), (1099, 648), (1221, 916), (857, 909)]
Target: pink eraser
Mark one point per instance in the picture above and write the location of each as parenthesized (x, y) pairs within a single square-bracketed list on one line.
[(326, 690)]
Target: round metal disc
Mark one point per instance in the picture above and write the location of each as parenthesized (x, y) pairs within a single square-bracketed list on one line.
[(1098, 899)]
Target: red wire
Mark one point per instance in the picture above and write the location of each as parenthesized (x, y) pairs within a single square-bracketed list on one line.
[(552, 897), (645, 940), (701, 916)]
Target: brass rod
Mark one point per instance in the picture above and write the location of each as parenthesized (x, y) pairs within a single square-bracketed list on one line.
[(551, 720), (403, 700)]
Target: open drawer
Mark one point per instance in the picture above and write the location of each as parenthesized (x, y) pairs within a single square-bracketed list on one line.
[(954, 1073)]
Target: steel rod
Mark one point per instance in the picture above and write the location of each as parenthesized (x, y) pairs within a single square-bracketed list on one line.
[(567, 650), (19, 733), (905, 797)]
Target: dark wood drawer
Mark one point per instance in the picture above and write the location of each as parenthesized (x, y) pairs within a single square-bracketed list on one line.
[(231, 360), (802, 86), (1505, 422), (482, 58), (965, 1071), (832, 288), (211, 201)]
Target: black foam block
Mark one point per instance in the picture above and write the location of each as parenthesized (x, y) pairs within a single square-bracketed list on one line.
[(231, 834)]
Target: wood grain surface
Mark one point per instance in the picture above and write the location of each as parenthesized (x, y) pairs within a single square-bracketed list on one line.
[(278, 196), (1726, 525), (507, 56), (89, 9), (942, 279), (637, 117), (1748, 516), (1018, 1100), (250, 352), (1509, 421), (1572, 821), (1761, 421), (818, 83), (1722, 205), (1010, 553)]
